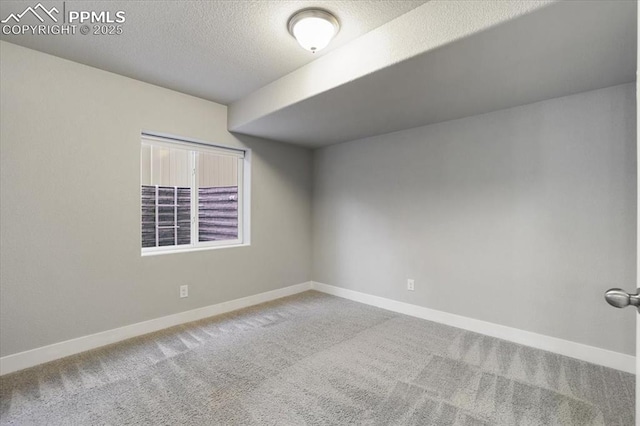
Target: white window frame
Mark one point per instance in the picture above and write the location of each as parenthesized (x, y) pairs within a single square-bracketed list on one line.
[(244, 190)]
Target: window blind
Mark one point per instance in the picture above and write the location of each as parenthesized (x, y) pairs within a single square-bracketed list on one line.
[(191, 146)]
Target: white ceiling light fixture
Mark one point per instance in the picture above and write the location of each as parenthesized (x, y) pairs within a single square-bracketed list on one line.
[(313, 28)]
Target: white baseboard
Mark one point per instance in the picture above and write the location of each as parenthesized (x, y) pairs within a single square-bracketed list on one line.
[(568, 348), (30, 358)]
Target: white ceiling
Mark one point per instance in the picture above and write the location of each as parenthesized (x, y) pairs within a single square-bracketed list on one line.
[(557, 49), (394, 65), (216, 50)]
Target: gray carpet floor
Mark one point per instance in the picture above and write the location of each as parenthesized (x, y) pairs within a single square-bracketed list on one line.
[(318, 360)]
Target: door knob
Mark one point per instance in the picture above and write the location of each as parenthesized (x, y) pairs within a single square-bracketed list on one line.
[(621, 299)]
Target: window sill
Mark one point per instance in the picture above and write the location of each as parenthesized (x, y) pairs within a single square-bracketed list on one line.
[(192, 249)]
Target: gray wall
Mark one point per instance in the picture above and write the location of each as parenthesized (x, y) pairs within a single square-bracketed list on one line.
[(70, 197), (521, 217), (492, 215)]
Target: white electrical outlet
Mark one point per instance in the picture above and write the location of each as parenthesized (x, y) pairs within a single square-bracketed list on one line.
[(184, 291), (411, 285)]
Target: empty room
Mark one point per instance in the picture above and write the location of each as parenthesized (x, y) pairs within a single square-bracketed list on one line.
[(319, 212)]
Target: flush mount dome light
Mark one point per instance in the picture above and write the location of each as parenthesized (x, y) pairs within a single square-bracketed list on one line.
[(313, 28)]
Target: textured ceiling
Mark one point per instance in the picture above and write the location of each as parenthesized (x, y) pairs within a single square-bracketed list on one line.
[(394, 65), (217, 50), (558, 49)]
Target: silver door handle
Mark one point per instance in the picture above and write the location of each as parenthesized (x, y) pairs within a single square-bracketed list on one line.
[(621, 299)]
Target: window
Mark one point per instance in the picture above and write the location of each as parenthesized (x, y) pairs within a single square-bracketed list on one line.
[(192, 195)]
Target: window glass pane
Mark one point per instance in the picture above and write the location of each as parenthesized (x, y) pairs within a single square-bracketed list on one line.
[(184, 216), (165, 174), (217, 197), (149, 216), (165, 166), (218, 213), (166, 216)]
